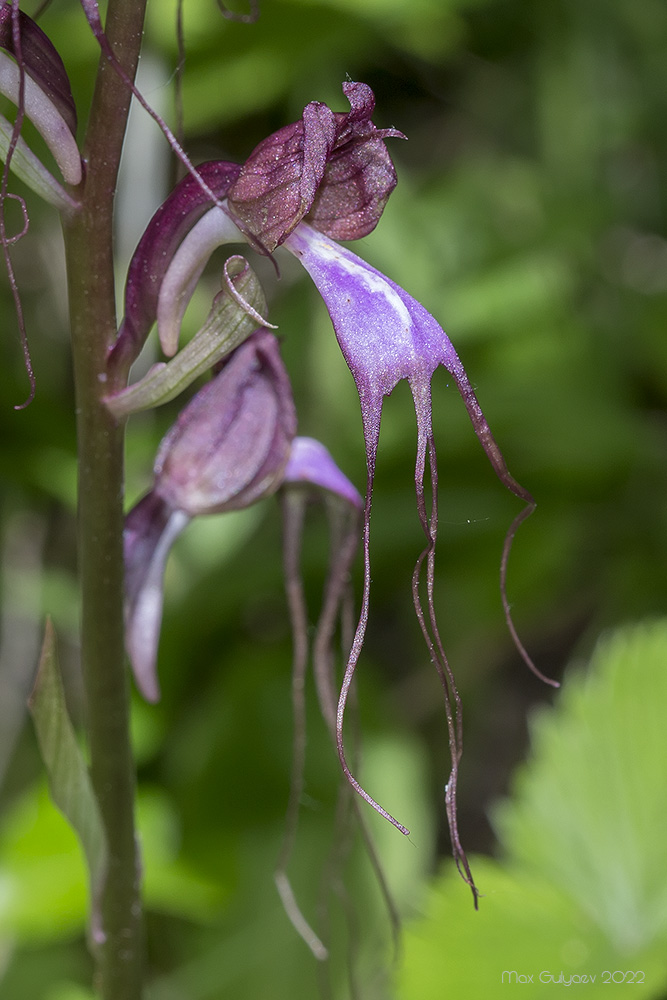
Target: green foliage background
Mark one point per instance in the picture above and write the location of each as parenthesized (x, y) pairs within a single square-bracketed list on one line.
[(530, 219)]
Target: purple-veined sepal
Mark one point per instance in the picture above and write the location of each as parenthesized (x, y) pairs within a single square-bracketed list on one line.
[(331, 166), (230, 444)]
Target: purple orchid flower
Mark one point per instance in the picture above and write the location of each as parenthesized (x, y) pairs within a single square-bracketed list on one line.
[(387, 336), (228, 449), (328, 177), (331, 167)]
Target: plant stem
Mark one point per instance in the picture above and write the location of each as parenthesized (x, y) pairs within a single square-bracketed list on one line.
[(89, 249)]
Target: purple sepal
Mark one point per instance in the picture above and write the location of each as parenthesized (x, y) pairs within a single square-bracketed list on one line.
[(169, 226), (310, 464), (359, 175), (333, 166), (151, 528), (230, 444), (41, 61)]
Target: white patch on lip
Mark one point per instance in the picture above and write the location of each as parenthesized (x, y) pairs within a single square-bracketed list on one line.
[(378, 285), (360, 272)]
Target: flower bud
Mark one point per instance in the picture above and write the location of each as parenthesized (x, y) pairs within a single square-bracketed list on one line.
[(230, 444), (228, 449)]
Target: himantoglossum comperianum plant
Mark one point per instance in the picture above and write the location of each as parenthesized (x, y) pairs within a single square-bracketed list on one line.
[(318, 181)]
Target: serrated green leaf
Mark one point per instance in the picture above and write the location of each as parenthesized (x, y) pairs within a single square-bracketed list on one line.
[(590, 811), (526, 936), (583, 886), (69, 780)]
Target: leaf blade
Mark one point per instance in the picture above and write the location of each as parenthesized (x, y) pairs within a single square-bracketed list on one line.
[(69, 780)]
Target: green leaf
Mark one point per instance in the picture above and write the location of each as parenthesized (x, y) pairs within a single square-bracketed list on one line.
[(43, 886), (590, 811), (69, 780), (583, 886), (525, 927)]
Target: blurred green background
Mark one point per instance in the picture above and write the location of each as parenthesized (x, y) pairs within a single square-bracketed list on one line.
[(530, 219)]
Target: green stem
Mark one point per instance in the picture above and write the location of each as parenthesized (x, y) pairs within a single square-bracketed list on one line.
[(89, 249)]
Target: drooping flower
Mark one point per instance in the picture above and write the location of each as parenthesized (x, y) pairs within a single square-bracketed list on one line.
[(228, 449), (328, 177), (386, 336)]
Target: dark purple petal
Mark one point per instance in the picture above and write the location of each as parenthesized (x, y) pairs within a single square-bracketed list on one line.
[(278, 182), (230, 444), (151, 528), (171, 223), (357, 183), (41, 61), (332, 167), (359, 176)]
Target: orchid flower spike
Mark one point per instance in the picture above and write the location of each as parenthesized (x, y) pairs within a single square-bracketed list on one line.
[(33, 77), (228, 449)]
